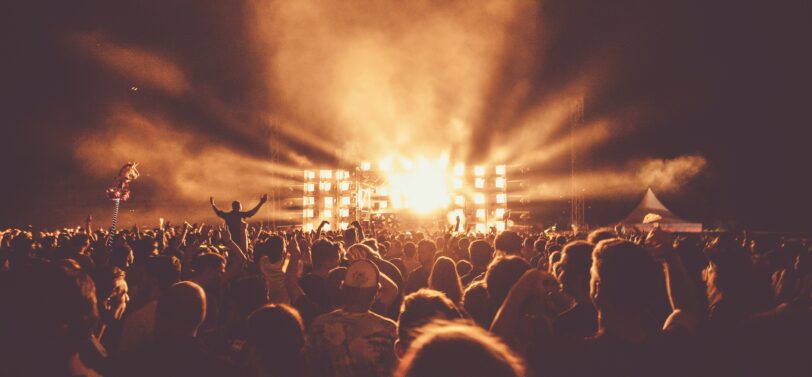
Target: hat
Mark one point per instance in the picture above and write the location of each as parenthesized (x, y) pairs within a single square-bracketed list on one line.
[(362, 274)]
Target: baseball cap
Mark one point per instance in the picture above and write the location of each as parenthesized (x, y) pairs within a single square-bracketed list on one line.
[(362, 274)]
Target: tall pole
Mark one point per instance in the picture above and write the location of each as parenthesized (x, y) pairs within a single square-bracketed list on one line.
[(576, 193)]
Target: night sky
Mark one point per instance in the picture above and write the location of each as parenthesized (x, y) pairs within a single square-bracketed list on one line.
[(725, 80)]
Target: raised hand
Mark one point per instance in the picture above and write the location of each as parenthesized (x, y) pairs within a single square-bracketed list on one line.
[(264, 198), (211, 200)]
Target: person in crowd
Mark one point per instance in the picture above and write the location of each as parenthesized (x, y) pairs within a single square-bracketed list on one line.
[(458, 349), (419, 277), (150, 277), (622, 285), (480, 253), (508, 243), (175, 350), (276, 342), (600, 234), (463, 267), (418, 309), (444, 278), (235, 219), (47, 318), (581, 320), (410, 257), (270, 258), (325, 256), (353, 341)]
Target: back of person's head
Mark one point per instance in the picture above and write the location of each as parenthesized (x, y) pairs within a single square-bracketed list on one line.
[(576, 260), (508, 242), (276, 340), (444, 278), (464, 267), (49, 311), (361, 283), (409, 250), (502, 273), (246, 294), (333, 286), (425, 252), (181, 310), (372, 243), (458, 349), (235, 205), (540, 245), (624, 276), (481, 253), (325, 254), (273, 248), (600, 234), (208, 263), (420, 308), (122, 257), (164, 269)]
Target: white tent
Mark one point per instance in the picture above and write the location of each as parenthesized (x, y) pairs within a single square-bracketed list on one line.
[(657, 213)]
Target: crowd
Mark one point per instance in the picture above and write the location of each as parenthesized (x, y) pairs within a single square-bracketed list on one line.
[(240, 300)]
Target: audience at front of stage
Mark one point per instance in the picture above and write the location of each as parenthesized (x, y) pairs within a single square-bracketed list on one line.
[(196, 300)]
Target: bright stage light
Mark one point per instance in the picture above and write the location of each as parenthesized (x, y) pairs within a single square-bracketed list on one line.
[(328, 202), (308, 227), (501, 198), (480, 227), (326, 174), (308, 213), (310, 187), (383, 190), (459, 170), (344, 186), (345, 200), (423, 188), (479, 183), (366, 165), (344, 212), (479, 171), (479, 198), (501, 169), (327, 214), (500, 226), (457, 183), (343, 225), (459, 200), (500, 182), (499, 213), (480, 214), (324, 186)]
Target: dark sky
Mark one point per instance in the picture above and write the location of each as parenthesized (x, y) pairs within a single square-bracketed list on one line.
[(727, 80)]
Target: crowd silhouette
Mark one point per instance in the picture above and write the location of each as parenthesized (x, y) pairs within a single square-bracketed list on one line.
[(236, 299)]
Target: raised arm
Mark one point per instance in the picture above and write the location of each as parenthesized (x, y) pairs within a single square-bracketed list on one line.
[(318, 230), (359, 230), (218, 212), (253, 211), (681, 293)]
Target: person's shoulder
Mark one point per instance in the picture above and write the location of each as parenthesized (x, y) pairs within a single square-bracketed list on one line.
[(327, 317)]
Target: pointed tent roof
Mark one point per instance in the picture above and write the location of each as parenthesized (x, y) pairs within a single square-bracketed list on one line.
[(650, 204)]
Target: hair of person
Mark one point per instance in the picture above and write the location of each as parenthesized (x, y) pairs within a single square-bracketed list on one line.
[(540, 245), (576, 260), (409, 249), (276, 338), (421, 307), (323, 251), (246, 294), (502, 273), (463, 267), (425, 251), (444, 278), (627, 275), (458, 349), (509, 242), (181, 310), (371, 242), (600, 234), (273, 248), (480, 253), (166, 270), (208, 262)]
